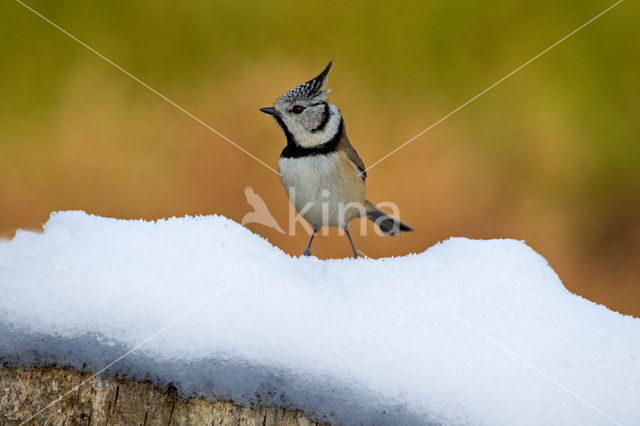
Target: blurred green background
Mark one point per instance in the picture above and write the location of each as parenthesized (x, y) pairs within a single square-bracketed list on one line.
[(550, 156)]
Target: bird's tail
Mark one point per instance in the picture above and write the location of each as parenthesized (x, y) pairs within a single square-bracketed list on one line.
[(387, 224)]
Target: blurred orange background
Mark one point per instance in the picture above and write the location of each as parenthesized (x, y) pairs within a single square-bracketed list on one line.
[(550, 156)]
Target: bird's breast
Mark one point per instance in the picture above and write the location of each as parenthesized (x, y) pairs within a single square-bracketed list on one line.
[(309, 175), (327, 179)]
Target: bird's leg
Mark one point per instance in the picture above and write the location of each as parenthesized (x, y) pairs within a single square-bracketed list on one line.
[(353, 246), (307, 251)]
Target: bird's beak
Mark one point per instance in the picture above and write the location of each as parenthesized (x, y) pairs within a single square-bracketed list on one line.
[(270, 111)]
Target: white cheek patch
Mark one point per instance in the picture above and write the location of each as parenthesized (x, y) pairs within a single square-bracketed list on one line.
[(308, 139), (312, 117)]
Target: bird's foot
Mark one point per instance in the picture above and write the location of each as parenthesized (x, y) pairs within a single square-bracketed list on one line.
[(307, 252)]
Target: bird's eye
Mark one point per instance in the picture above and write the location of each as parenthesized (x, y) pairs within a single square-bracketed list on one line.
[(297, 109)]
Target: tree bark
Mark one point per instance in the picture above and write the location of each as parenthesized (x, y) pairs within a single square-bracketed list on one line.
[(110, 401)]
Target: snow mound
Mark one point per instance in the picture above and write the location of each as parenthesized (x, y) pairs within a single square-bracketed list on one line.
[(468, 332)]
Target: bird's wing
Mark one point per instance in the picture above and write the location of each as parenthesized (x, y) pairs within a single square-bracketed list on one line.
[(352, 155)]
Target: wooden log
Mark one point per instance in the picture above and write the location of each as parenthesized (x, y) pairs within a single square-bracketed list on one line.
[(111, 401)]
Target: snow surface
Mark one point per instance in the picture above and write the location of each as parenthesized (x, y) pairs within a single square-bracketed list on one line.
[(468, 332)]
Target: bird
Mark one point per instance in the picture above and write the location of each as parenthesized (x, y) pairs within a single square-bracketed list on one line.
[(260, 213), (319, 168)]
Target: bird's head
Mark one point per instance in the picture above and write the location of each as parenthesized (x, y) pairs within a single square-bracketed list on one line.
[(304, 114)]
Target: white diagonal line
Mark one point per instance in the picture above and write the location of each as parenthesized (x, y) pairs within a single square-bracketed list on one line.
[(157, 333), (492, 86), (494, 341), (145, 85)]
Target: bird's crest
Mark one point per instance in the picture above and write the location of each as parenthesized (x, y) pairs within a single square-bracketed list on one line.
[(309, 90)]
